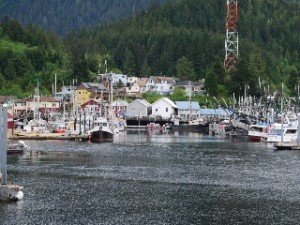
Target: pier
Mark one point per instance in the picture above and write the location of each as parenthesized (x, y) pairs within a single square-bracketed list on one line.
[(8, 192)]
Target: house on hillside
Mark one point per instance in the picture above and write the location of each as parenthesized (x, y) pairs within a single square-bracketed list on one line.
[(191, 88), (162, 85), (66, 94), (116, 80), (139, 108), (45, 106), (131, 80), (188, 110), (86, 91), (136, 88), (164, 107)]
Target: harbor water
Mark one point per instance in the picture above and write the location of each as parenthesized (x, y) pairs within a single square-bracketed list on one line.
[(154, 179)]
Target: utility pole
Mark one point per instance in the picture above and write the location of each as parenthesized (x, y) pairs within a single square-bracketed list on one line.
[(231, 41)]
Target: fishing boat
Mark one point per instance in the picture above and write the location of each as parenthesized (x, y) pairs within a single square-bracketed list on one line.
[(103, 130), (281, 133), (258, 132)]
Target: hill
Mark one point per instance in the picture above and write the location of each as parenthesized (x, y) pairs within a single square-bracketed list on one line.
[(63, 17), (189, 35), (184, 38)]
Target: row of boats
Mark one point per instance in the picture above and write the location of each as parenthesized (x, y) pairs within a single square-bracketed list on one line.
[(284, 134)]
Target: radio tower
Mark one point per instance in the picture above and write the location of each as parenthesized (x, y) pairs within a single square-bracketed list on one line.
[(232, 41)]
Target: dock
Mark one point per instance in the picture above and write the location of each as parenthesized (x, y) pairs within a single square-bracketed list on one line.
[(8, 192), (22, 135)]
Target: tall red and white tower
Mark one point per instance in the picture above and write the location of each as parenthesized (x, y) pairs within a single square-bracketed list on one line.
[(232, 40)]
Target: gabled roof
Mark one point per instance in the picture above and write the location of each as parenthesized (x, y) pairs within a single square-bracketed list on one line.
[(71, 87), (120, 103), (90, 86), (143, 102), (5, 99), (169, 101), (142, 82), (186, 105), (169, 80), (43, 99), (185, 83)]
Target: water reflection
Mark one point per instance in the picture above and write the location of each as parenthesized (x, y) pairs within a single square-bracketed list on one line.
[(157, 178)]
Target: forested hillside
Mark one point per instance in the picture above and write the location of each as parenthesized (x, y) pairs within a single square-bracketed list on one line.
[(65, 16), (187, 37), (28, 56), (184, 39)]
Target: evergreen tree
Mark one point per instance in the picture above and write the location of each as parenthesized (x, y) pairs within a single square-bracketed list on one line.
[(211, 83), (130, 64), (185, 69)]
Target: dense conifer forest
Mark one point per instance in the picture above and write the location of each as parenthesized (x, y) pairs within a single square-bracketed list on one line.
[(184, 39), (65, 16)]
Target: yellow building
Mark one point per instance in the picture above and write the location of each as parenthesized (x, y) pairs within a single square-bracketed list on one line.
[(87, 91)]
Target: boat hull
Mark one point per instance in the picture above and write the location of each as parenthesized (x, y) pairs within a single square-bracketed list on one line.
[(101, 136), (11, 193), (199, 128)]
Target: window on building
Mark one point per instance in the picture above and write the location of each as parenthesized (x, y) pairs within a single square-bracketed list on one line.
[(167, 109), (156, 110)]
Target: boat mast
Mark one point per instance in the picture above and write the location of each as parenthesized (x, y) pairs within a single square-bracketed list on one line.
[(3, 145), (190, 101), (281, 112), (36, 101)]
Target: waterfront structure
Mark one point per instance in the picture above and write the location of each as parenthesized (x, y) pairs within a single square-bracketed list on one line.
[(188, 110), (44, 105), (231, 41), (139, 108), (164, 107), (220, 113), (119, 107), (8, 192)]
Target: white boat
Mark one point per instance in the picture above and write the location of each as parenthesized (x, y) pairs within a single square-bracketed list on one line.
[(258, 132), (17, 147), (11, 192), (282, 133), (103, 130)]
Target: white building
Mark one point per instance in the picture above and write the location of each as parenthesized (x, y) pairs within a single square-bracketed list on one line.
[(164, 107), (113, 78), (139, 107), (136, 88), (162, 85)]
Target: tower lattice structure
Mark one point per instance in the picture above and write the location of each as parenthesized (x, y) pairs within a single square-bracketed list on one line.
[(231, 42)]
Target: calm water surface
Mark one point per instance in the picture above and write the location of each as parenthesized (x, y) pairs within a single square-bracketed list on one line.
[(155, 179)]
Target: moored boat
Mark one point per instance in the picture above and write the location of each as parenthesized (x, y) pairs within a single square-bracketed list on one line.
[(11, 192), (103, 130), (258, 132), (17, 147)]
